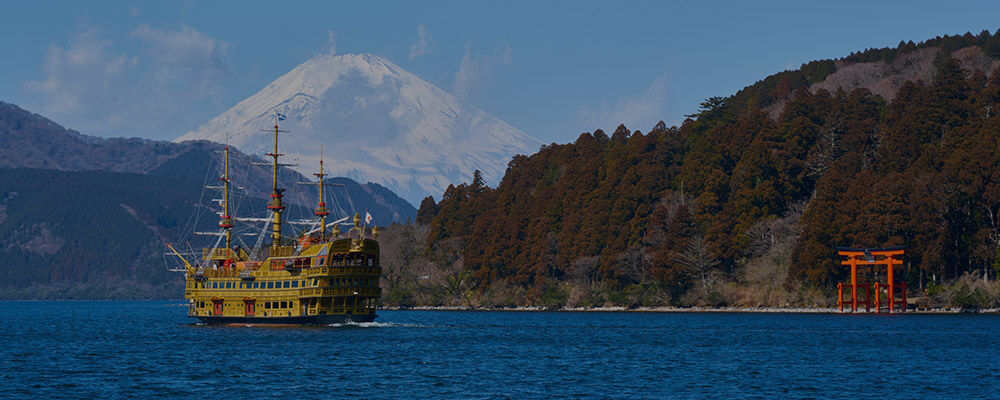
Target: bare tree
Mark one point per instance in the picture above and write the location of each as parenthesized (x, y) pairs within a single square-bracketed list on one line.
[(584, 270), (699, 260), (401, 249), (634, 262)]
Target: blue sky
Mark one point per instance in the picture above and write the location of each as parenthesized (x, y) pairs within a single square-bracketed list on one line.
[(553, 69)]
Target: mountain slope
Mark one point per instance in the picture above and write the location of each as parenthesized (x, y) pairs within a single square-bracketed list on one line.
[(376, 122), (30, 140), (77, 234)]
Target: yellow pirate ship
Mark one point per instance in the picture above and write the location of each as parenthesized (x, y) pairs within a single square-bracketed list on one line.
[(316, 278)]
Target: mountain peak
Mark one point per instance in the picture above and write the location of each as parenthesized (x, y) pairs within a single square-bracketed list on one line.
[(376, 122)]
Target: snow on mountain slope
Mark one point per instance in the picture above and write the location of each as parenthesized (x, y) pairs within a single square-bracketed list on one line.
[(375, 122)]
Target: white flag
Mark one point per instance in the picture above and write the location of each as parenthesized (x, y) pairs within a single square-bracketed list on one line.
[(368, 217)]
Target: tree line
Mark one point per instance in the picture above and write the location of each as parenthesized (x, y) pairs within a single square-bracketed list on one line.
[(735, 198)]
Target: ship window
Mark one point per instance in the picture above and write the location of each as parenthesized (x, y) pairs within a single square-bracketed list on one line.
[(287, 284), (270, 285), (284, 304), (295, 284)]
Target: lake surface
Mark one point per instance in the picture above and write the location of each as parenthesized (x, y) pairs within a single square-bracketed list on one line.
[(88, 350)]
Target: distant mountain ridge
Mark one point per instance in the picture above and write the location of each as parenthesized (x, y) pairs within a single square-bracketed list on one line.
[(30, 140), (377, 122)]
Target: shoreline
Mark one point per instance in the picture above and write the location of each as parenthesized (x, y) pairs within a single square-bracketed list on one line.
[(669, 309), (766, 310)]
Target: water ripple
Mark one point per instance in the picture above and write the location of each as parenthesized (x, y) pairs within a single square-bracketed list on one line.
[(84, 350)]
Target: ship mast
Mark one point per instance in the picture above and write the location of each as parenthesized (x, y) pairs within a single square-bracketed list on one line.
[(276, 193), (321, 210), (226, 220), (321, 207)]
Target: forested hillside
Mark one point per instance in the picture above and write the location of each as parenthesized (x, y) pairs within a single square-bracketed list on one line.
[(72, 234), (744, 202)]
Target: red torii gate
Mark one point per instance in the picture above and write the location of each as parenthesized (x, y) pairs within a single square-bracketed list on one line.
[(856, 257)]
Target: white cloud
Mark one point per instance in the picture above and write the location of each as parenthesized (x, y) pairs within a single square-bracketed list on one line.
[(640, 112), (185, 55), (424, 44), (92, 87), (473, 71), (84, 74)]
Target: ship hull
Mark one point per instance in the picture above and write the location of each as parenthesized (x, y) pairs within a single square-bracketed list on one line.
[(303, 320)]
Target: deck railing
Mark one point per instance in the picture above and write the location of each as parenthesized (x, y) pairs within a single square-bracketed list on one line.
[(326, 292), (342, 270)]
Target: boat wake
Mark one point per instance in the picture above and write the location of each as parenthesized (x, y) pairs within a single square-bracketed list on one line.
[(376, 325)]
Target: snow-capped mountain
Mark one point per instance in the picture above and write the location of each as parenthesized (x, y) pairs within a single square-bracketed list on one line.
[(375, 122)]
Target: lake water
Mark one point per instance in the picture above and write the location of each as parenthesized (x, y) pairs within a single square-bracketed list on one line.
[(144, 350)]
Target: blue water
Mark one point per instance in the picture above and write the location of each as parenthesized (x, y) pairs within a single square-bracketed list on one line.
[(88, 350)]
